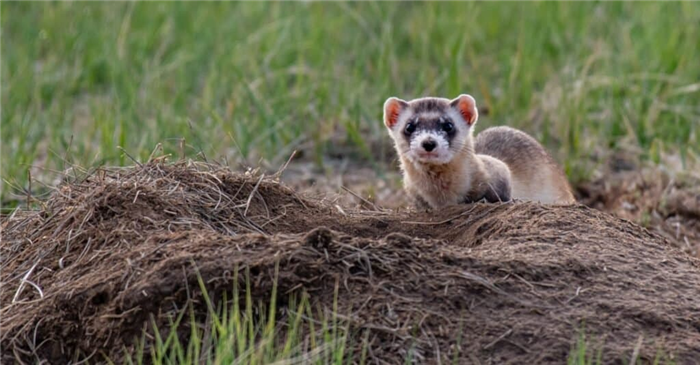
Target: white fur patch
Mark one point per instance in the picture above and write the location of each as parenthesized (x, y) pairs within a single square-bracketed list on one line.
[(459, 120), (429, 114), (402, 119), (439, 156)]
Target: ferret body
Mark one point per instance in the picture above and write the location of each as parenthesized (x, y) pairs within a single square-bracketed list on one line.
[(443, 164)]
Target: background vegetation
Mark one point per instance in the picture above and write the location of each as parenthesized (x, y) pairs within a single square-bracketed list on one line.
[(251, 82)]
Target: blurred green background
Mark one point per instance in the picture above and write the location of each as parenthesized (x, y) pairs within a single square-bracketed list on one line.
[(251, 82)]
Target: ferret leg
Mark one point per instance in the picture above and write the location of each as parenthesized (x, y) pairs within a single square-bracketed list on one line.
[(420, 203)]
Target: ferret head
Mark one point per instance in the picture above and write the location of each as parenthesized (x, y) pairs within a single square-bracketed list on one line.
[(430, 130)]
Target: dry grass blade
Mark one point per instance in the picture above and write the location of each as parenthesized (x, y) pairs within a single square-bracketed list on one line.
[(252, 193), (25, 280), (114, 250), (365, 201)]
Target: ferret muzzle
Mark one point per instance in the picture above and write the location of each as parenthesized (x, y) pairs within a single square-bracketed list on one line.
[(431, 147)]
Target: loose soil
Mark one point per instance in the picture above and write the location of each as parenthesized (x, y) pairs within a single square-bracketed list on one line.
[(663, 200), (519, 281), (656, 200)]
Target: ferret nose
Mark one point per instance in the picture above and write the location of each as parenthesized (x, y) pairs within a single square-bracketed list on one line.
[(429, 145)]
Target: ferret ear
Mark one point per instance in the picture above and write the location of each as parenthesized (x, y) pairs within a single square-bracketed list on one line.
[(466, 106), (392, 108)]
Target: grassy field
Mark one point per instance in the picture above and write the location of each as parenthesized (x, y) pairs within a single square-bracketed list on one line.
[(253, 82)]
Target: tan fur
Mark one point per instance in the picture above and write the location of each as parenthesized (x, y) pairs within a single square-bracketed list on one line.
[(441, 185), (495, 170), (501, 161), (534, 174), (467, 175)]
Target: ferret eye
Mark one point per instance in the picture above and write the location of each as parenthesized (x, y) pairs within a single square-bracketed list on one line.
[(410, 128), (448, 127)]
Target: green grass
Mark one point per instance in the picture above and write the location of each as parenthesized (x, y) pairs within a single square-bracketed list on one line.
[(249, 333), (582, 354), (253, 82), (588, 352), (238, 331)]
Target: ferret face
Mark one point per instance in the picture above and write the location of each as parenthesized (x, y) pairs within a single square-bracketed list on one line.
[(430, 130)]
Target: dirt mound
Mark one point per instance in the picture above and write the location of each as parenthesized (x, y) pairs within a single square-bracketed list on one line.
[(520, 281), (666, 205)]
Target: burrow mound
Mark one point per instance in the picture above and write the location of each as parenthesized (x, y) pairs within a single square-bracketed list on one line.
[(520, 281)]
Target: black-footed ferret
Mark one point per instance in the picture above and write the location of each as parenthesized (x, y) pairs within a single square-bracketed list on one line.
[(444, 165)]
